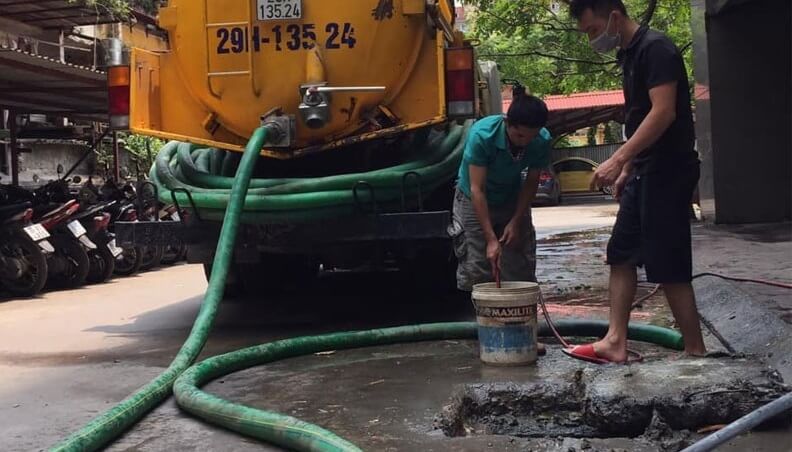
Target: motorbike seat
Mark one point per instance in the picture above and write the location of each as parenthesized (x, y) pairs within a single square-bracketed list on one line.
[(11, 210), (91, 211), (48, 210)]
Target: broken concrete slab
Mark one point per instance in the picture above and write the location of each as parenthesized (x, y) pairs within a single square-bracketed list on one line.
[(660, 402)]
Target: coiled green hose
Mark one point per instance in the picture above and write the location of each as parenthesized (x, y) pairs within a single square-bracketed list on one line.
[(272, 427), (200, 171)]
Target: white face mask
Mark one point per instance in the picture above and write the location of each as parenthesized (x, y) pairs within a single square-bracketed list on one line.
[(605, 43)]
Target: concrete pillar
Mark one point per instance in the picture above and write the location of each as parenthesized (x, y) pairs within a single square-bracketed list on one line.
[(12, 128), (743, 69)]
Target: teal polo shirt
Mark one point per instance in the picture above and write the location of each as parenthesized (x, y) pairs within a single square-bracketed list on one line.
[(487, 145)]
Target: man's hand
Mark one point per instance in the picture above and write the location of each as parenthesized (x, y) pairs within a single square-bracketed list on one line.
[(511, 234), (607, 173), (618, 187), (494, 251)]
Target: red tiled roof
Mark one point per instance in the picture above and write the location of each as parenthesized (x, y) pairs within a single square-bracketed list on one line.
[(701, 92), (460, 12), (594, 99)]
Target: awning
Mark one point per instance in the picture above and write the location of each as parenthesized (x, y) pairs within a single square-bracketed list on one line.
[(568, 113), (55, 14), (36, 84)]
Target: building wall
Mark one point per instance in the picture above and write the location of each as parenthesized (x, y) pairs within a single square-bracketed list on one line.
[(39, 160), (743, 65)]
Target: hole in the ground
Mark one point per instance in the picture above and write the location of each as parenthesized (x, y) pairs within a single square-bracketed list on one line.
[(572, 408)]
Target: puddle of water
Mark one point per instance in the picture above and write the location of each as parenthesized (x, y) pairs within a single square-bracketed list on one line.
[(574, 278)]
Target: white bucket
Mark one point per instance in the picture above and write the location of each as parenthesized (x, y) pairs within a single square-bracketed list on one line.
[(506, 319)]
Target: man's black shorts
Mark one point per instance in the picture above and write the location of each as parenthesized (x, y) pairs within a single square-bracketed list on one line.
[(653, 225)]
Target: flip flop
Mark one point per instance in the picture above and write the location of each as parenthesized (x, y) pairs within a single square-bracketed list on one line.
[(586, 353)]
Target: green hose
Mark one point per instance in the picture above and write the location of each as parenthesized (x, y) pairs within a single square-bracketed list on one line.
[(267, 426), (113, 422), (183, 166), (295, 434)]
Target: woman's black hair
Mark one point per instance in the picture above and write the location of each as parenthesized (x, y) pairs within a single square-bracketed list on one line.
[(526, 110)]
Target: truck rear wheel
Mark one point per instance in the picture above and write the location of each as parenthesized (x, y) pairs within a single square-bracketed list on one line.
[(233, 286)]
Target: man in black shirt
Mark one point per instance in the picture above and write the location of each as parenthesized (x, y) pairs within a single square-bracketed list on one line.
[(653, 175)]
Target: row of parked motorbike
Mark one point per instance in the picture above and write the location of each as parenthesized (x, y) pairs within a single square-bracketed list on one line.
[(55, 237)]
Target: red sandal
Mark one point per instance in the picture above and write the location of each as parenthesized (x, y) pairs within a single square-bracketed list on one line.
[(586, 353)]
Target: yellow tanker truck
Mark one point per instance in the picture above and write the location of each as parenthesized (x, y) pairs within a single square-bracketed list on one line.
[(370, 101)]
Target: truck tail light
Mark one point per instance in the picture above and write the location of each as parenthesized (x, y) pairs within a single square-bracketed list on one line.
[(118, 96), (460, 82)]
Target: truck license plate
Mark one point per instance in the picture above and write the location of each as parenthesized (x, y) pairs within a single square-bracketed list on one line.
[(114, 250), (36, 232), (279, 9), (76, 228)]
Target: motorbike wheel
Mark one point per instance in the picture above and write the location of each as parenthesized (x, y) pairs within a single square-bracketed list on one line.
[(152, 256), (102, 264), (128, 262), (77, 264), (34, 276), (183, 256), (172, 254)]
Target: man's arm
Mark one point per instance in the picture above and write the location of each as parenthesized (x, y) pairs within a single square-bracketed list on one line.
[(659, 119), (478, 195)]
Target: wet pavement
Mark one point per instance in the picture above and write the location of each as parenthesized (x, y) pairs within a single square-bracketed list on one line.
[(67, 356)]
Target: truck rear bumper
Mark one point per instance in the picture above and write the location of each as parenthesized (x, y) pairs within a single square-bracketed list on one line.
[(292, 238)]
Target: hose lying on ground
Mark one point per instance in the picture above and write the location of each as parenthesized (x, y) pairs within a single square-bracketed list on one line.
[(743, 424), (113, 422), (272, 427), (295, 434)]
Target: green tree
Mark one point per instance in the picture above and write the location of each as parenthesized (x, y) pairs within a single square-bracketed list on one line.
[(543, 48), (121, 8), (146, 6), (143, 150), (118, 8), (591, 136), (613, 133)]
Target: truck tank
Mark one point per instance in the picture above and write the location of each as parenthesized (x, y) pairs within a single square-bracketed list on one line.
[(341, 68), (373, 98)]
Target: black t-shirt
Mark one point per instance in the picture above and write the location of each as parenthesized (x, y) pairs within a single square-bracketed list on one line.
[(651, 60)]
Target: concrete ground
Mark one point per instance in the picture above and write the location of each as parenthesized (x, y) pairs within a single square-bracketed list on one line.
[(67, 356)]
